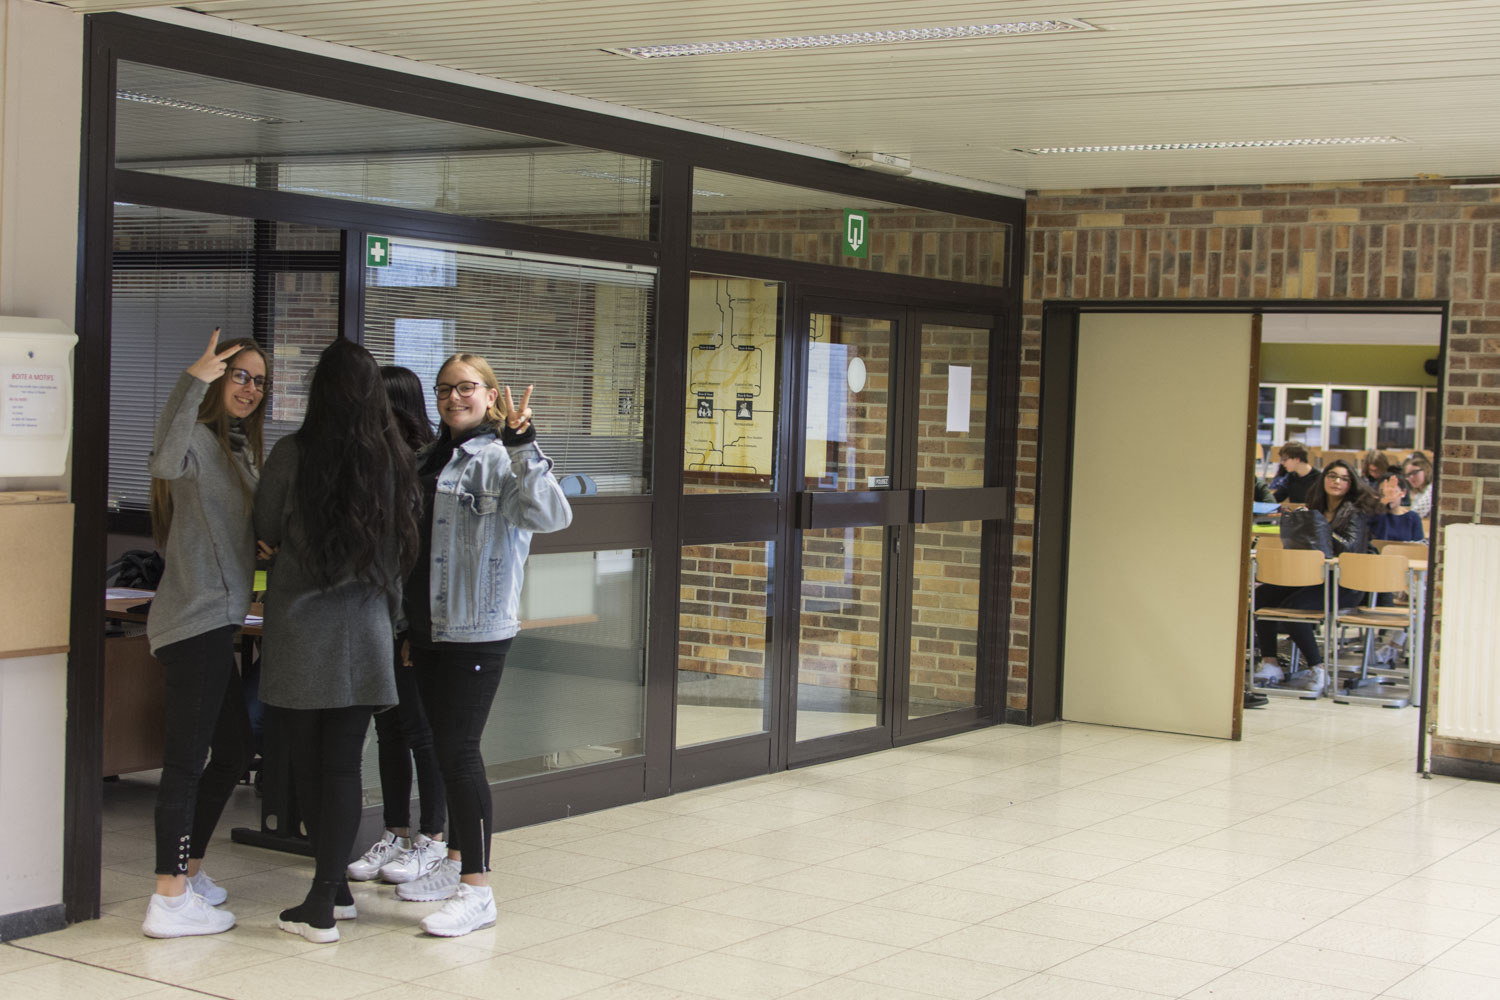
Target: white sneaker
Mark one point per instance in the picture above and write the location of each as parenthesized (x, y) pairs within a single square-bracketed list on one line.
[(208, 889), (382, 852), (1269, 673), (183, 916), (440, 883), (421, 858), (1314, 682), (472, 907)]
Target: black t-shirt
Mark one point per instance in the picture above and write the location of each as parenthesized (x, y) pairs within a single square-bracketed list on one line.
[(1293, 489)]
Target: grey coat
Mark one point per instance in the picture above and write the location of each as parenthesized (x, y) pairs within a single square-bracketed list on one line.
[(210, 551), (323, 647)]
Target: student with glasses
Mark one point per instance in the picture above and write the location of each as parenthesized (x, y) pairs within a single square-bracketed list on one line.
[(205, 461), (486, 489), (338, 502), (1346, 503)]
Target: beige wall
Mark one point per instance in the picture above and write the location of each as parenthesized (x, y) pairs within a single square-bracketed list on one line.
[(42, 102)]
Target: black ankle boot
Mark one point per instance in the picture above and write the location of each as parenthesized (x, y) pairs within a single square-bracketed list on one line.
[(314, 918)]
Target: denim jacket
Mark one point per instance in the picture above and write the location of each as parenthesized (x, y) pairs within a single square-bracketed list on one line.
[(490, 499)]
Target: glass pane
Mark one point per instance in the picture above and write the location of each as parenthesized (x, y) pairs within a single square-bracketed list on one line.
[(574, 688), (734, 336), (943, 675), (848, 412), (1348, 418), (203, 128), (838, 667), (770, 219), (724, 629), (1398, 419), (954, 383), (580, 331), (1265, 426), (1304, 416), (177, 275)]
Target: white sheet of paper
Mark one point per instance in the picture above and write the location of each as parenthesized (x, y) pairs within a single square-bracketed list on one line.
[(959, 379)]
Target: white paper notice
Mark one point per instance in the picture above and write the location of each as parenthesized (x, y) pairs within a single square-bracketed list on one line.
[(959, 380), (33, 401)]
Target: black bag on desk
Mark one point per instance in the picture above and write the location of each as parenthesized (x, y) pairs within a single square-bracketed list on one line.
[(138, 569), (1306, 529)]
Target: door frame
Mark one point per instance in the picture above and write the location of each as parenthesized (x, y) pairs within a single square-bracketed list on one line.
[(1054, 484)]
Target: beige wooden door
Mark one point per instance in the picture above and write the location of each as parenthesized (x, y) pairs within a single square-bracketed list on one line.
[(1157, 521)]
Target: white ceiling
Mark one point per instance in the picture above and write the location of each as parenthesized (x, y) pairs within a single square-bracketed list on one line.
[(1427, 71)]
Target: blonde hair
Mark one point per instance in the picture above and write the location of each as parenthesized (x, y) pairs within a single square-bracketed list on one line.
[(215, 414), (492, 413)]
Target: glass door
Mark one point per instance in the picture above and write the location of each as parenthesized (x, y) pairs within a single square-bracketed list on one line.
[(894, 522)]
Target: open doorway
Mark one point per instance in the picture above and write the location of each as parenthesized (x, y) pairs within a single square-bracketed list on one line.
[(1385, 353)]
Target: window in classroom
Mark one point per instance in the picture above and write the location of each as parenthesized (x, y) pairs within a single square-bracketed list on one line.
[(177, 275), (578, 330)]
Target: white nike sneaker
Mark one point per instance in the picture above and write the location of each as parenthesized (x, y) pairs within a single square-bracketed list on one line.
[(385, 850), (208, 889), (183, 916), (422, 857), (440, 883), (470, 908)]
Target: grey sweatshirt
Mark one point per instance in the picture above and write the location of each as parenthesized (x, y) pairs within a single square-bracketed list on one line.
[(210, 557), (324, 647)]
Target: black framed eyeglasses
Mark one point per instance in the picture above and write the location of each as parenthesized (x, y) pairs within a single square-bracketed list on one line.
[(464, 389), (242, 377)]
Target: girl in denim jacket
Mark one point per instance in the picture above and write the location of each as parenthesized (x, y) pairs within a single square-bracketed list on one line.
[(487, 488)]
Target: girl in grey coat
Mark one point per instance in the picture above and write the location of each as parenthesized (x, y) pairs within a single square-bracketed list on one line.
[(204, 463), (338, 501)]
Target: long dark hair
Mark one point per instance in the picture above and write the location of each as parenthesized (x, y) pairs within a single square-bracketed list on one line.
[(408, 405), (216, 416), (356, 488), (1360, 497)]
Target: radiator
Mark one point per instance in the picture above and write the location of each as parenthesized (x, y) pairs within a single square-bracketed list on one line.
[(1469, 667)]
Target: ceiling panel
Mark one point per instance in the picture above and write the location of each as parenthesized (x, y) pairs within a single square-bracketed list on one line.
[(1213, 70)]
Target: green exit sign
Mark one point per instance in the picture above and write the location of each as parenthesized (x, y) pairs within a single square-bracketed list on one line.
[(856, 233), (377, 251)]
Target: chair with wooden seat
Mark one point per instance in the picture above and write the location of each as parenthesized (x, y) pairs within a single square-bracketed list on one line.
[(1386, 573), (1289, 568), (1265, 542)]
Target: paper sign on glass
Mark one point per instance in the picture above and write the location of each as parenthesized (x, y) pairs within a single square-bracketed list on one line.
[(959, 380)]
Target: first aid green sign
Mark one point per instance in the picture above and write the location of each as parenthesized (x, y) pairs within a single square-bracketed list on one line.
[(856, 233), (377, 251)]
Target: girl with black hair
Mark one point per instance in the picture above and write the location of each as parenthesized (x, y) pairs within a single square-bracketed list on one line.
[(402, 732), (204, 464), (338, 502), (1346, 503), (486, 487)]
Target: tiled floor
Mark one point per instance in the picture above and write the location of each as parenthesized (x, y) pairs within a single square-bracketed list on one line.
[(1063, 863)]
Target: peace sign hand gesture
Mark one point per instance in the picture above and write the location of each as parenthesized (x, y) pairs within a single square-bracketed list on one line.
[(517, 418), (213, 362)]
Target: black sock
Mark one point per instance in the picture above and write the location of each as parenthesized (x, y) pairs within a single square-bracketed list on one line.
[(343, 897), (317, 909)]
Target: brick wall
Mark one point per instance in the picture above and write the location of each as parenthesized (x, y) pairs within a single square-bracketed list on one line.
[(902, 241), (722, 614), (1411, 240)]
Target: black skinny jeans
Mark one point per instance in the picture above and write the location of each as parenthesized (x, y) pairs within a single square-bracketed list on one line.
[(205, 711), (458, 689), (326, 746), (1269, 595), (403, 734)]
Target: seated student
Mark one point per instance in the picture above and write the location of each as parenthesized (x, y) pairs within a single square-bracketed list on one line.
[(1418, 473), (1373, 464), (1346, 503), (1298, 474), (1394, 521)]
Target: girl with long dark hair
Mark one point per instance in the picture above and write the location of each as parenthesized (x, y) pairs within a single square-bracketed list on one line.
[(486, 488), (205, 460), (402, 733), (1346, 503), (338, 501)]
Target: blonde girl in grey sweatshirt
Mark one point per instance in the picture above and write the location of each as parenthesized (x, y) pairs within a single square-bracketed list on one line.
[(204, 464)]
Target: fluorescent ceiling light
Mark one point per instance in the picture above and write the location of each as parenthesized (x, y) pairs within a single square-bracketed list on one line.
[(207, 109), (1150, 147), (1045, 26), (1486, 184)]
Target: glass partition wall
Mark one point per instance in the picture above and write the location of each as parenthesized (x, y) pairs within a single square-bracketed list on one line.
[(725, 410)]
